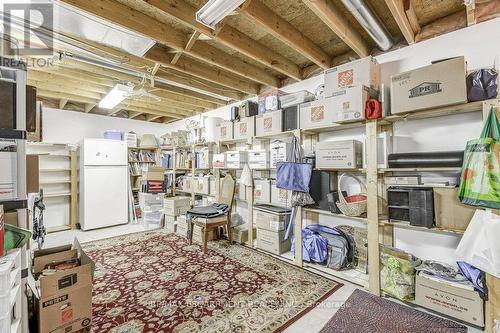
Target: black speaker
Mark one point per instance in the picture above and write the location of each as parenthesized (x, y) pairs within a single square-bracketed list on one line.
[(320, 187), (291, 118), (235, 113)]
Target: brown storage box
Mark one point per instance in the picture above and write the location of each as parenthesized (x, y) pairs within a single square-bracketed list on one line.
[(155, 173), (64, 299), (451, 299), (240, 234), (449, 211), (439, 84), (32, 174)]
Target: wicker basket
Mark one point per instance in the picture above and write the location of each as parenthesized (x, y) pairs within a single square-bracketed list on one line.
[(353, 205)]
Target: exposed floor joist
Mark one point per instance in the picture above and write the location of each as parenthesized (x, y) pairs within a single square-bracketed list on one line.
[(168, 36), (327, 13), (285, 31), (397, 9)]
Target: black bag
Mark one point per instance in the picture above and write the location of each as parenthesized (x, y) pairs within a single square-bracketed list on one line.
[(215, 210), (482, 84)]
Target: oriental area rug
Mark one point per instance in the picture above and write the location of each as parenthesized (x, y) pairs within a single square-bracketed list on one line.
[(156, 282), (385, 316)]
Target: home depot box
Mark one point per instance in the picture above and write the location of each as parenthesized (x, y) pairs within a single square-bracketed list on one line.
[(176, 206), (439, 84), (269, 123), (362, 72), (279, 151), (346, 154), (449, 212), (236, 159), (63, 299), (225, 130), (245, 128), (262, 191), (202, 185), (452, 299), (318, 114), (349, 104), (258, 159), (280, 196)]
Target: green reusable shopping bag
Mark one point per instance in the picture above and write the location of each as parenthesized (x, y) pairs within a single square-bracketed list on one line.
[(480, 179)]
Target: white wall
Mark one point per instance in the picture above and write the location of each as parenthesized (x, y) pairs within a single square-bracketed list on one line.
[(62, 126)]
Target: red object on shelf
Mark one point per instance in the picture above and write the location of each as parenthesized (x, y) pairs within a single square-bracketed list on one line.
[(356, 198), (373, 109)]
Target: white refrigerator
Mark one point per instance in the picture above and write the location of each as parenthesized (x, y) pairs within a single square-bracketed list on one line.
[(103, 183)]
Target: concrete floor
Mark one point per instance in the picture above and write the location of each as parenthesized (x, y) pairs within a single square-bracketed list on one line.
[(312, 322)]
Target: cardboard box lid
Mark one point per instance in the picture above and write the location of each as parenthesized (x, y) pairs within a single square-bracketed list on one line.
[(73, 278)]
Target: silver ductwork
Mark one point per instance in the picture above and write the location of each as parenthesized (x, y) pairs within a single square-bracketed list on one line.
[(370, 22)]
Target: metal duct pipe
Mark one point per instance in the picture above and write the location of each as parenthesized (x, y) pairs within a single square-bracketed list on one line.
[(370, 22)]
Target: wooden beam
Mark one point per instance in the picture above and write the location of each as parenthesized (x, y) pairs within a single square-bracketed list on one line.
[(187, 66), (230, 37), (89, 107), (134, 114), (336, 21), (470, 10), (167, 35), (194, 37), (70, 97), (411, 16), (286, 32), (152, 117), (58, 86), (62, 103), (53, 78), (398, 12)]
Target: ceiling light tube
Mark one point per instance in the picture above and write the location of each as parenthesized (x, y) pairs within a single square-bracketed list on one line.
[(117, 95), (215, 10)]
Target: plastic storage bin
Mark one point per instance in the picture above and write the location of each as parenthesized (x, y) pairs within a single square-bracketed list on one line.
[(412, 204), (151, 202), (152, 219)]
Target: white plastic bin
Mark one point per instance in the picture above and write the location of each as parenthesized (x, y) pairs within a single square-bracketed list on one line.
[(151, 202), (152, 220)]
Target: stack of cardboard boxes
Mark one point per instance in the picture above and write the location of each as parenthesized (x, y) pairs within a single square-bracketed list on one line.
[(173, 208), (271, 226), (62, 288)]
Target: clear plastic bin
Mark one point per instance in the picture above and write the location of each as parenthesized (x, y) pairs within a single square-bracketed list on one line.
[(151, 202), (152, 220)]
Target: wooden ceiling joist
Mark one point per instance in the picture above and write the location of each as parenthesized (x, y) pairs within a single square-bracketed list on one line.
[(397, 9), (152, 117), (168, 36), (89, 107), (134, 114), (70, 97), (334, 19), (285, 31), (411, 16), (62, 103), (59, 86), (55, 78), (230, 37), (158, 54), (470, 11)]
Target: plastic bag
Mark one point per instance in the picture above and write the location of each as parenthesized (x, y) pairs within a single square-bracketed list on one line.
[(482, 84), (480, 179), (479, 245), (246, 176), (397, 272)]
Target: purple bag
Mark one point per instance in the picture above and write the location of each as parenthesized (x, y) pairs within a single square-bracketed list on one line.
[(482, 84), (314, 247), (294, 176)]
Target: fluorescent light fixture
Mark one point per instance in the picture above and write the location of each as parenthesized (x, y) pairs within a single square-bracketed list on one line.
[(215, 10), (115, 96)]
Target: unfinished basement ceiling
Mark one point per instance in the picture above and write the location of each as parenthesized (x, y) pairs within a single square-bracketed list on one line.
[(206, 68)]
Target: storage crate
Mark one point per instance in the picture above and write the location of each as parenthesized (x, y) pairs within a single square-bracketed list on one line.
[(245, 128), (262, 191), (225, 131), (153, 219), (269, 123), (176, 206), (236, 159), (258, 159), (414, 205), (151, 202)]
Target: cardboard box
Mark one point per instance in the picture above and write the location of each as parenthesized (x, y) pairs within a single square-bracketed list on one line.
[(269, 123), (318, 114), (204, 158), (345, 154), (219, 161), (182, 229), (240, 234), (258, 159), (362, 72), (176, 206), (262, 191), (408, 180), (440, 84), (202, 185), (279, 152), (187, 184), (225, 131), (350, 103), (236, 159), (272, 241), (271, 222), (64, 299), (280, 196), (155, 173), (452, 299), (449, 212), (32, 173), (245, 128)]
